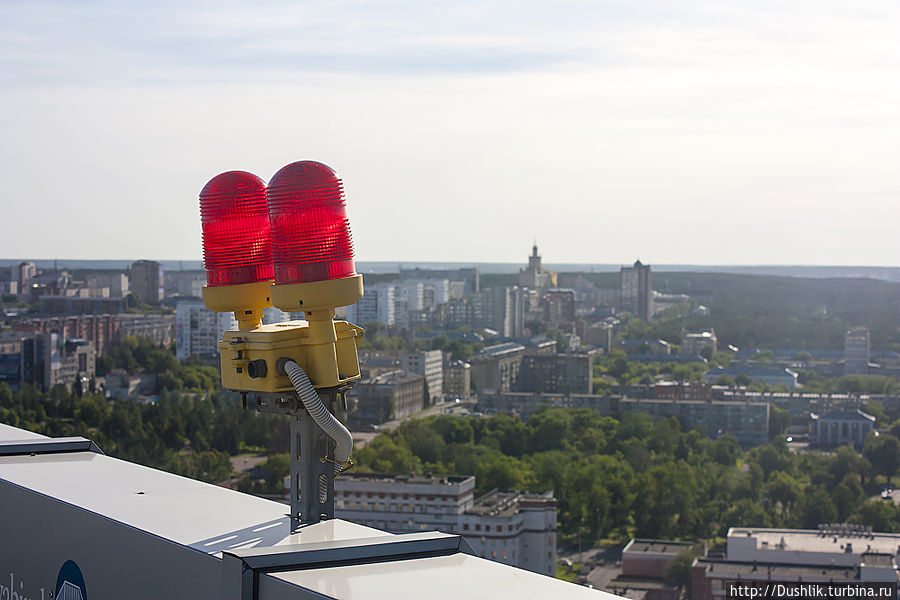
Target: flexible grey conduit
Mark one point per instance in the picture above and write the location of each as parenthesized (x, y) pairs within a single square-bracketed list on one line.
[(324, 419)]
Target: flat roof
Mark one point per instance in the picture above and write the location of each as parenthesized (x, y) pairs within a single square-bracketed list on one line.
[(498, 503), (809, 540), (775, 571), (639, 545), (406, 479), (497, 350)]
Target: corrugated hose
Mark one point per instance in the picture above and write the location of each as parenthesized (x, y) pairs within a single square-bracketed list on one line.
[(323, 418)]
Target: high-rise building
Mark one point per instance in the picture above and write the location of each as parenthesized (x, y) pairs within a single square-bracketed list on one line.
[(558, 307), (198, 329), (387, 396), (23, 273), (636, 292), (46, 360), (147, 281), (856, 351), (430, 365), (497, 367), (457, 379), (378, 304), (556, 373), (504, 310)]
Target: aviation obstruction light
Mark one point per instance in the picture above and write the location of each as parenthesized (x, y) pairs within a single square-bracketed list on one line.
[(310, 230), (237, 247), (312, 252)]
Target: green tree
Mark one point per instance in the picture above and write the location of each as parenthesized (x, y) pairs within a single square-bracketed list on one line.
[(883, 453), (779, 421)]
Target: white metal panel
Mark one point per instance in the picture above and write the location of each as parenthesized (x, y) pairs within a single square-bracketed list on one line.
[(202, 516), (11, 434), (454, 577)]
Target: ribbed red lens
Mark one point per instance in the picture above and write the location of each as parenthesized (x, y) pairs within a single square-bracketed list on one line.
[(311, 238), (237, 245)]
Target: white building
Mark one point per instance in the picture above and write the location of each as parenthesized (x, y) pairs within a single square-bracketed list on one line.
[(116, 283), (412, 293), (377, 304), (514, 528), (835, 553), (839, 544), (436, 291), (198, 329), (430, 365)]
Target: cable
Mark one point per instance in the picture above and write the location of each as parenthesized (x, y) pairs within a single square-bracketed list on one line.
[(324, 419)]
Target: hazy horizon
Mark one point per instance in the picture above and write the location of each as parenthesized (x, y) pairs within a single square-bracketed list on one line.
[(386, 267)]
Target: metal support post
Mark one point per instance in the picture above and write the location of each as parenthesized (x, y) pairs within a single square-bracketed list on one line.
[(312, 472), (311, 453)]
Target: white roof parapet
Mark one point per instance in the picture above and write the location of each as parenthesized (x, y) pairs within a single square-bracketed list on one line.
[(142, 533)]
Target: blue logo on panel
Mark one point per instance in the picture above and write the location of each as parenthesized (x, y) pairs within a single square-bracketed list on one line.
[(70, 582)]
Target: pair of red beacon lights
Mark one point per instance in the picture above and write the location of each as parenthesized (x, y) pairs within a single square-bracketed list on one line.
[(292, 236), (287, 245)]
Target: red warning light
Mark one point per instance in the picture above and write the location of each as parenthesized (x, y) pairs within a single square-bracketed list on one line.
[(237, 246), (311, 238)]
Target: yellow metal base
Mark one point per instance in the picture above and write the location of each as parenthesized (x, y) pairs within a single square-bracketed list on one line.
[(246, 300), (326, 351), (317, 295)]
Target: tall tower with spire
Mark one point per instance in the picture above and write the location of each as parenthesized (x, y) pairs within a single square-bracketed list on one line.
[(534, 276)]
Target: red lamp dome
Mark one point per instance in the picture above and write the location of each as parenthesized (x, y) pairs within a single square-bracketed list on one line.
[(311, 238), (237, 246)]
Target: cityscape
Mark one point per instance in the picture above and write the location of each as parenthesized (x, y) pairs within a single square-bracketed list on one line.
[(527, 411), (618, 315)]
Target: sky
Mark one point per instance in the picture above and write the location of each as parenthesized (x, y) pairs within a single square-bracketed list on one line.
[(692, 132)]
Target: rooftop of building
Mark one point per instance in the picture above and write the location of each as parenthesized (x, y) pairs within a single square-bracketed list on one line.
[(622, 583), (411, 479), (789, 395), (845, 415), (713, 402), (699, 334), (497, 503), (724, 568), (831, 539), (498, 350), (877, 559), (751, 370), (456, 364), (392, 378), (642, 545)]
